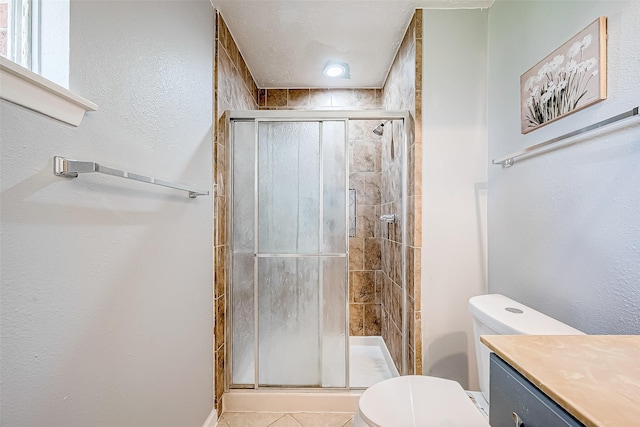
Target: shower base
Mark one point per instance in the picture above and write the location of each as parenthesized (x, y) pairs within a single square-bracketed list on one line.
[(369, 362)]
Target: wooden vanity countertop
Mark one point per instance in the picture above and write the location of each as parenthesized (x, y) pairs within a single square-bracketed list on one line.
[(596, 378)]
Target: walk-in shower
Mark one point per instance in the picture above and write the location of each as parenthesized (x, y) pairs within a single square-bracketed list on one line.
[(301, 282)]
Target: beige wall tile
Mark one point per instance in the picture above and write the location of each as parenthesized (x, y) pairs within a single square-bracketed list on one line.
[(418, 342), (372, 320), (417, 221), (298, 98), (221, 221), (384, 316), (356, 253), (262, 98), (411, 324), (372, 254), (276, 97), (342, 98), (410, 271), (396, 345), (319, 98), (220, 271), (379, 284), (366, 99), (357, 129), (366, 220), (417, 170), (411, 364), (220, 321), (364, 286), (220, 377), (356, 320)]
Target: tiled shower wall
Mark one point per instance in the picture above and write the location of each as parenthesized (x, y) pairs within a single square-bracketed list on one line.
[(234, 89), (365, 259), (391, 236), (319, 99), (365, 163), (403, 91)]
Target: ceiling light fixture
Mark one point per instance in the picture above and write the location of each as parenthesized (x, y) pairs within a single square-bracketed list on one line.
[(337, 70)]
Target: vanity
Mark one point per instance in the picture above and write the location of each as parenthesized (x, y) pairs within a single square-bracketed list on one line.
[(560, 380)]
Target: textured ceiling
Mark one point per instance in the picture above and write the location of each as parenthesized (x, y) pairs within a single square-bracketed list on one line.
[(287, 42)]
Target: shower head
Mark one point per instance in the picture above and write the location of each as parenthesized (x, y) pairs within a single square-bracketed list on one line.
[(379, 130)]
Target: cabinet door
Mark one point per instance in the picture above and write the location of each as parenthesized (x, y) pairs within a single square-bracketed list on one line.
[(512, 393)]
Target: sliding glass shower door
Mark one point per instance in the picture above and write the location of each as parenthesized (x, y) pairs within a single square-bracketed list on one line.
[(289, 254)]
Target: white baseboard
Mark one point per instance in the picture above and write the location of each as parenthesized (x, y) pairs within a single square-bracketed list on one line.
[(212, 419)]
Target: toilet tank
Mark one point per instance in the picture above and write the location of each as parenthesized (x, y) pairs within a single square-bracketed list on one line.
[(495, 314)]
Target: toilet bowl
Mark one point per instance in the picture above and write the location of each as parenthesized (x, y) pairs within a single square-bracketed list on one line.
[(423, 401)]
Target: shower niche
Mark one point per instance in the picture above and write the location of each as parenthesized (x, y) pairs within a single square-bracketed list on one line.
[(308, 281)]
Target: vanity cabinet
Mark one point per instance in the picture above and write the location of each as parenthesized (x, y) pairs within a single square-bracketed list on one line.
[(564, 380), (515, 401)]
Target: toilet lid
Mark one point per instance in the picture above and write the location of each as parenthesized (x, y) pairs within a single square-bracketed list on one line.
[(419, 401)]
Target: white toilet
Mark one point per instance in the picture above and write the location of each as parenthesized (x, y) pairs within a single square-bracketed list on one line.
[(422, 401)]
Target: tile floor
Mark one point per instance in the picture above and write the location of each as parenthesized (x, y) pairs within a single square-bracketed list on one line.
[(280, 419)]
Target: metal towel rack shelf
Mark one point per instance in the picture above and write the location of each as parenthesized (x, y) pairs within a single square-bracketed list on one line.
[(508, 160), (72, 168)]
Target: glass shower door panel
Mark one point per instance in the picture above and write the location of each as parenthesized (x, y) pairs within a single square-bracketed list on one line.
[(289, 321), (289, 187), (244, 172), (242, 326), (292, 268), (334, 322), (242, 280), (334, 183)]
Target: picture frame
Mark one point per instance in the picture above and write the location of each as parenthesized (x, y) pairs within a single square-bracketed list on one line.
[(572, 77)]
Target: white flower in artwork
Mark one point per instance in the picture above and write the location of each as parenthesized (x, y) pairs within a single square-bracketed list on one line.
[(544, 70), (535, 91), (586, 41), (529, 102), (571, 67), (546, 96), (528, 84), (595, 73), (561, 85), (557, 61), (551, 87), (586, 65), (575, 49)]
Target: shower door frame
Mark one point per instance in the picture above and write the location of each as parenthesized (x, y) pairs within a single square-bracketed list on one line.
[(258, 116)]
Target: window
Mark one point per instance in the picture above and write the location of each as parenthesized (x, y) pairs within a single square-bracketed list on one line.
[(15, 24), (34, 59), (35, 35), (4, 27)]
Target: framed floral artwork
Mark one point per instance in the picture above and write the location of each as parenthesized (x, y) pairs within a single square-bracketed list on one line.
[(572, 77)]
